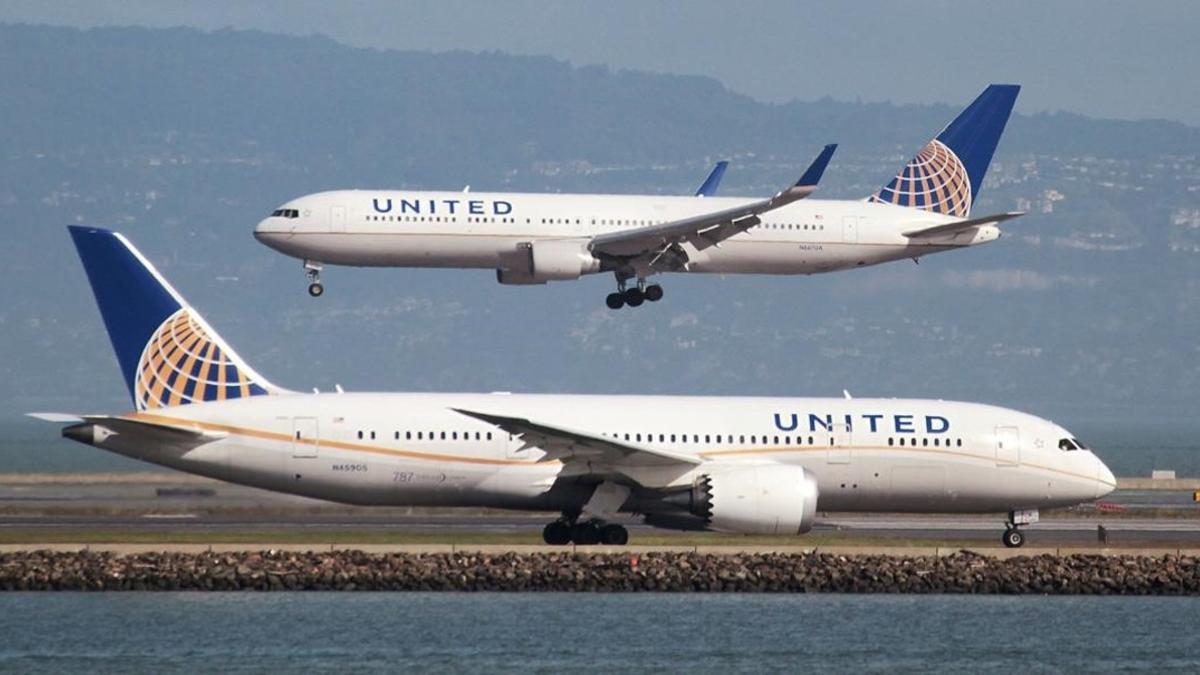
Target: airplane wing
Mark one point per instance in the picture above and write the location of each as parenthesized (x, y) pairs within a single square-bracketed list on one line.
[(566, 444), (709, 187), (961, 225), (707, 229)]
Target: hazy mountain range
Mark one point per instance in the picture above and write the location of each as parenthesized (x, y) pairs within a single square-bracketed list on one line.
[(1088, 309)]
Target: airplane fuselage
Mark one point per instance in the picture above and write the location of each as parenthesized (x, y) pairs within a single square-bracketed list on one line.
[(413, 449), (491, 230)]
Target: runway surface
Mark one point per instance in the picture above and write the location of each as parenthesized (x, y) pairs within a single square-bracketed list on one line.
[(211, 509), (900, 529)]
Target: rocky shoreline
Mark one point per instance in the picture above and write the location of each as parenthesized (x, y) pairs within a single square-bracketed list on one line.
[(656, 572)]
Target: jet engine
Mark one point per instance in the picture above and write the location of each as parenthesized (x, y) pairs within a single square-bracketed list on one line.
[(537, 262), (753, 498)]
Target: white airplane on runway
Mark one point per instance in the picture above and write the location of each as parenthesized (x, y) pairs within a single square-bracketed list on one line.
[(752, 465), (535, 238)]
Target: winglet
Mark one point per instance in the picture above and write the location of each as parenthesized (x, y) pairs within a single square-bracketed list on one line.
[(709, 187), (812, 175)]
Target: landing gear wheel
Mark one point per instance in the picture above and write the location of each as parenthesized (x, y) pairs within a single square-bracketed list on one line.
[(1013, 538), (585, 534), (654, 292), (614, 535), (634, 297), (615, 301), (315, 289), (557, 533)]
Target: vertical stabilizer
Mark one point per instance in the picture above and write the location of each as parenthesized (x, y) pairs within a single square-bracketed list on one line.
[(168, 354), (947, 173)]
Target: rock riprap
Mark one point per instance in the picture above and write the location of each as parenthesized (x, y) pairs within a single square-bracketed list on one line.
[(660, 571)]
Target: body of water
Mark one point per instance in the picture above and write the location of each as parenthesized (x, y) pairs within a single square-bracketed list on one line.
[(330, 632)]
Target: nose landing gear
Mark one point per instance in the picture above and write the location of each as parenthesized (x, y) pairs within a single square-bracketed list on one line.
[(635, 296), (1013, 537), (313, 271)]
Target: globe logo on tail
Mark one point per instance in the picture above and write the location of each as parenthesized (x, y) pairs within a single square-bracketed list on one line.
[(183, 364), (935, 180)]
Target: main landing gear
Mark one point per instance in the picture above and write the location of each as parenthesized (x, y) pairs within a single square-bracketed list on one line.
[(1013, 537), (313, 271), (635, 296), (585, 533)]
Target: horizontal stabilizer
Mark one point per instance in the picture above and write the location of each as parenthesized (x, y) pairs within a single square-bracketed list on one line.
[(56, 418), (95, 429), (946, 229)]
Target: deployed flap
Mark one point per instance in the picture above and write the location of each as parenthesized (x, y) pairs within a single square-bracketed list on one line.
[(566, 444), (710, 228), (961, 225)]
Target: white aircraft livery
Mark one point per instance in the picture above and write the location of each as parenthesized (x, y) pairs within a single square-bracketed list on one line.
[(751, 465), (534, 238)]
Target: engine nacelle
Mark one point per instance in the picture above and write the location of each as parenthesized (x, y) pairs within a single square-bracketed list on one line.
[(755, 498), (555, 259), (537, 262)]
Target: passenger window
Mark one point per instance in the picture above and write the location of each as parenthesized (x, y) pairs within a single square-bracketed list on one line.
[(891, 442)]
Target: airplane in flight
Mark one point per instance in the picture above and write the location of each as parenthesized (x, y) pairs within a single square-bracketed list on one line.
[(761, 465), (535, 238)]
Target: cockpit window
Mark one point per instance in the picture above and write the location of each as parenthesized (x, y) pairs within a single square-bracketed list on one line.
[(286, 213), (1067, 444), (1079, 444)]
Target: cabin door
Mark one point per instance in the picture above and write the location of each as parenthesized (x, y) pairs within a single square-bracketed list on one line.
[(1008, 446), (306, 442)]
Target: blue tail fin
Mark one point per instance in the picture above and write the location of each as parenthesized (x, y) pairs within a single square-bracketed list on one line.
[(946, 174), (168, 354)]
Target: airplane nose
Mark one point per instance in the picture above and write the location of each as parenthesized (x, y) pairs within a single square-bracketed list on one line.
[(266, 232), (1105, 481)]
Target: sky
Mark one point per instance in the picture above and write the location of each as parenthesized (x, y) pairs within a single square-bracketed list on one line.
[(1100, 58)]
